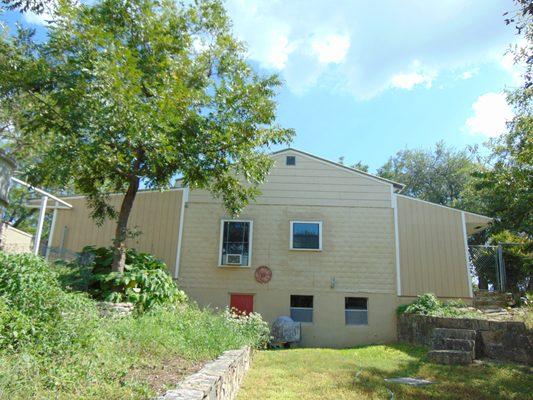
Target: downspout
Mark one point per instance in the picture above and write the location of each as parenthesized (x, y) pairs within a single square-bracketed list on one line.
[(184, 200), (465, 238), (394, 204)]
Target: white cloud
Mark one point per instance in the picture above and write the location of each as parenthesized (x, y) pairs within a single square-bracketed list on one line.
[(37, 19), (44, 17), (331, 48), (469, 74), (347, 48), (491, 112), (507, 62), (409, 81)]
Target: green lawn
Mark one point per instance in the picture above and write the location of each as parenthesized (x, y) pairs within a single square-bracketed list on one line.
[(306, 374)]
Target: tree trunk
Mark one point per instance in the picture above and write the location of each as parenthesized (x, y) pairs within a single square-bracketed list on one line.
[(121, 233)]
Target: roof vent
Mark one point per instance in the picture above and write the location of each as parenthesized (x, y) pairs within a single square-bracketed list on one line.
[(291, 160)]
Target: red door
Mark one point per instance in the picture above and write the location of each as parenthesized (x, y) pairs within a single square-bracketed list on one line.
[(243, 303)]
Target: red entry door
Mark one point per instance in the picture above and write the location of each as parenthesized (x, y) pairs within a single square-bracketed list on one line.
[(243, 303)]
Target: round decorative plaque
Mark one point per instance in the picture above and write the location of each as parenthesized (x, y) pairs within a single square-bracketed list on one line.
[(263, 274)]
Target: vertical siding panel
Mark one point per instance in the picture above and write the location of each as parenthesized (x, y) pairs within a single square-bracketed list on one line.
[(431, 249)]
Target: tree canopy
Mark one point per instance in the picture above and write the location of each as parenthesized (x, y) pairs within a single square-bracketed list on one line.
[(439, 175), (129, 93)]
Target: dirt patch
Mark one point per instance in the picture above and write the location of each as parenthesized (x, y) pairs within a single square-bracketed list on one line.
[(165, 374)]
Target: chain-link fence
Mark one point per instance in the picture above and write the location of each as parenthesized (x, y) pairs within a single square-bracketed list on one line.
[(505, 267), (486, 266)]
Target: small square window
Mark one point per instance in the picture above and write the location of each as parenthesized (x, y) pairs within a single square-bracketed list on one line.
[(302, 308), (356, 310), (306, 235), (291, 160)]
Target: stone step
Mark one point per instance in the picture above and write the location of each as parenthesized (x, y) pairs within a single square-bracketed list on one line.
[(450, 357), (447, 333), (455, 344)]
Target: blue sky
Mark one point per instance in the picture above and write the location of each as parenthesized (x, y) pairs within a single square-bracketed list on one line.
[(364, 79)]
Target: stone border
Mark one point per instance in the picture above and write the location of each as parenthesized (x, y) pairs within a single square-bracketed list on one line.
[(217, 380), (501, 340)]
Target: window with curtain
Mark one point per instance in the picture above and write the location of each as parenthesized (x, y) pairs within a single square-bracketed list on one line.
[(236, 243)]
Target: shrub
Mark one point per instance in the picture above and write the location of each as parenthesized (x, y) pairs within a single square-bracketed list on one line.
[(429, 304), (425, 304), (36, 311), (252, 326), (144, 282)]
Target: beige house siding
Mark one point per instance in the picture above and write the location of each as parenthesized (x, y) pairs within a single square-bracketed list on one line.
[(358, 252), (432, 249), (16, 241), (313, 182), (155, 214)]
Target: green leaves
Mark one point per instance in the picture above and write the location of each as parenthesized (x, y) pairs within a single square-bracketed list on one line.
[(144, 282), (141, 88)]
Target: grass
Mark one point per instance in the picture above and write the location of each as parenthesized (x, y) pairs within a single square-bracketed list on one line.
[(131, 358), (54, 344), (309, 374)]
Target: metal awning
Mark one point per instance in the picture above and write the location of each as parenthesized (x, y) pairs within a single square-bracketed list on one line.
[(42, 210)]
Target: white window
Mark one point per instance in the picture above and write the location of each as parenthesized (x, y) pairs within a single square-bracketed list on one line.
[(236, 243), (356, 310), (302, 308), (306, 235)]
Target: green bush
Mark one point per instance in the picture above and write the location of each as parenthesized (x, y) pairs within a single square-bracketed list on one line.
[(144, 282), (35, 311), (252, 327), (429, 304)]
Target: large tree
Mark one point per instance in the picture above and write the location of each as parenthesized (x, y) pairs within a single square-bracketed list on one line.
[(125, 93), (439, 175), (507, 188)]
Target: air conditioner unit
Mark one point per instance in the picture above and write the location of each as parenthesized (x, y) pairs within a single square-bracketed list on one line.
[(233, 259)]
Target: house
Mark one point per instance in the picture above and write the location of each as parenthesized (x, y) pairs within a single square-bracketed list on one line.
[(335, 248), (13, 240)]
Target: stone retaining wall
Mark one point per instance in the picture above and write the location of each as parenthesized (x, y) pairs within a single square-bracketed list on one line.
[(217, 380), (502, 340), (108, 309)]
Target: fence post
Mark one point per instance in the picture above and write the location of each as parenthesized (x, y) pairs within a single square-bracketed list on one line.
[(501, 268)]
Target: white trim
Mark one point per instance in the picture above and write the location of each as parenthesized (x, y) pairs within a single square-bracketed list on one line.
[(184, 200), (29, 205), (340, 166), (306, 222), (397, 244), (41, 192), (440, 205), (51, 235), (465, 238), (75, 197), (250, 244)]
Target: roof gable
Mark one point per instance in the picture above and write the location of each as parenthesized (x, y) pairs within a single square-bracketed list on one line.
[(397, 186)]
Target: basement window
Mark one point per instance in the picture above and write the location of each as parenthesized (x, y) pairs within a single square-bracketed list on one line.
[(302, 308), (290, 160), (356, 311), (306, 235), (235, 243)]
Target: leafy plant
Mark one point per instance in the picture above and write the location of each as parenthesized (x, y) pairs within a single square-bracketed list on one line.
[(144, 282), (36, 311), (251, 326), (429, 304)]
